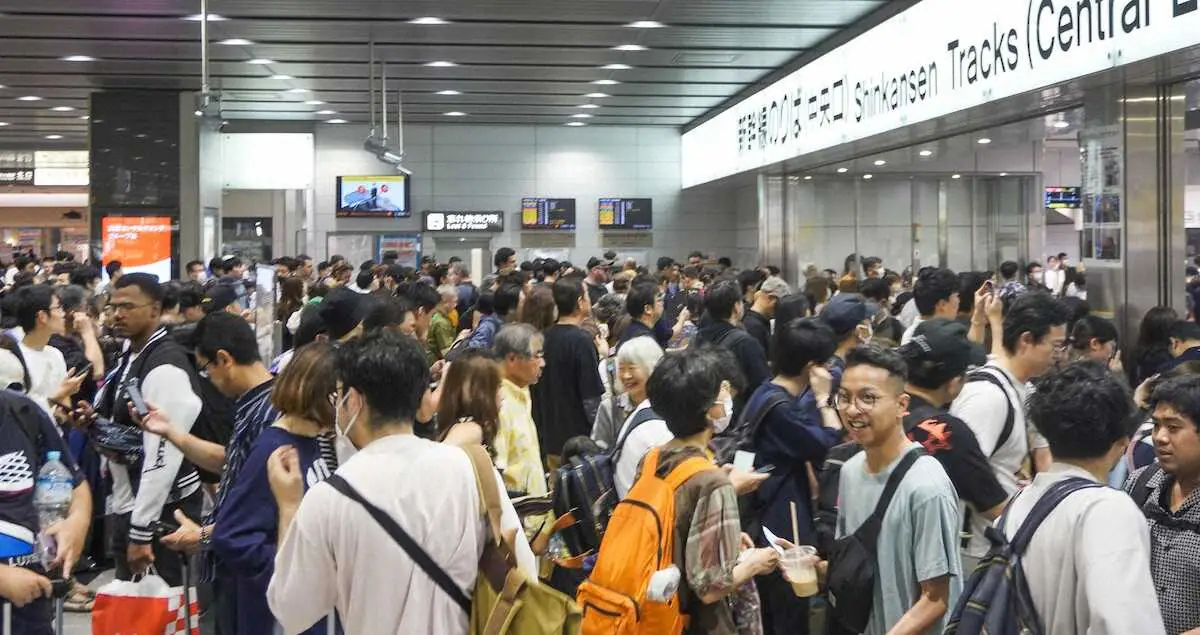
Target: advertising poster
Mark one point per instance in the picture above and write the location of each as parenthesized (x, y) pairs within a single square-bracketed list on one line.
[(1102, 165), (407, 248), (141, 243)]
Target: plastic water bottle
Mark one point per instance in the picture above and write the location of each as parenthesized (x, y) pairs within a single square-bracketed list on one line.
[(52, 498)]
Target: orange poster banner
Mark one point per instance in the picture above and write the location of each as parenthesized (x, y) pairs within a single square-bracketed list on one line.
[(141, 243)]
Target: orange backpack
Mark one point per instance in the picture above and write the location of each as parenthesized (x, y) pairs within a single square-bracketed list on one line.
[(639, 541)]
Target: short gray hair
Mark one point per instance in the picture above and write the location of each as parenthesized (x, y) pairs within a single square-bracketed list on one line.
[(515, 339), (642, 351)]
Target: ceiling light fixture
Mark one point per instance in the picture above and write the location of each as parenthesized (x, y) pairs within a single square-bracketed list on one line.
[(198, 113), (1004, 174), (868, 176), (645, 24), (879, 162), (984, 141), (808, 177), (616, 67), (596, 95), (85, 117), (448, 93), (629, 47), (575, 124), (79, 58), (297, 91), (260, 61), (4, 123), (54, 137), (926, 153), (843, 170), (336, 121), (326, 112), (282, 77), (1062, 124), (29, 98), (428, 20), (606, 82), (455, 113), (441, 64), (588, 106), (956, 176), (212, 17), (62, 109), (314, 102), (581, 115), (236, 41)]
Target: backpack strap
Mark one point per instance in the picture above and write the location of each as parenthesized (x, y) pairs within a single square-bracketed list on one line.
[(1011, 418), (868, 533), (649, 463), (642, 416), (687, 470), (754, 420), (406, 542), (1141, 487), (1046, 504)]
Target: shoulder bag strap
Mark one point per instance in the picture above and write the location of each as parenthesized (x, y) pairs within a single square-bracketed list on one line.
[(489, 494), (868, 533), (1010, 420), (1141, 487), (1046, 504), (410, 546), (642, 416)]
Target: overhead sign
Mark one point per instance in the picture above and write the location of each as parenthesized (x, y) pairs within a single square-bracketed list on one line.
[(16, 176), (935, 58), (463, 222)]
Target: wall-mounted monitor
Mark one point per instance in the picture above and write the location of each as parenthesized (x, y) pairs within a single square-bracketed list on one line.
[(626, 213), (1059, 197), (373, 196), (548, 213)]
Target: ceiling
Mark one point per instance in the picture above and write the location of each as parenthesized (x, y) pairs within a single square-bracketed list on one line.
[(518, 61)]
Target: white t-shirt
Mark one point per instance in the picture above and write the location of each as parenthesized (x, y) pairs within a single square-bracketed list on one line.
[(984, 408), (650, 434), (47, 370)]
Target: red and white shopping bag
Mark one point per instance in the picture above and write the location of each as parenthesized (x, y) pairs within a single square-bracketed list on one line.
[(146, 607)]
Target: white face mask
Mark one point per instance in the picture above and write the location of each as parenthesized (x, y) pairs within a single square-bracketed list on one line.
[(722, 423), (1036, 276), (343, 434)]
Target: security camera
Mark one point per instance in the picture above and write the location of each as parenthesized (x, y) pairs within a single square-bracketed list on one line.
[(385, 154)]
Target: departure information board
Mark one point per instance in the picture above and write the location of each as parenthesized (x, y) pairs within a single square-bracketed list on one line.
[(626, 213), (548, 213)]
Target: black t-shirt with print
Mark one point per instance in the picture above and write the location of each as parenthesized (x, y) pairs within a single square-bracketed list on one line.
[(571, 375), (949, 440)]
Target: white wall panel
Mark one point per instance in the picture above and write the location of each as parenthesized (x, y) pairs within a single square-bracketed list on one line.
[(266, 161)]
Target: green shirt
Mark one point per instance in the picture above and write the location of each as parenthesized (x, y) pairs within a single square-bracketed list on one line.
[(441, 336)]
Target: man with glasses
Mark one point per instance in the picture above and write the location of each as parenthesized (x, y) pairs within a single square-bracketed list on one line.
[(599, 272), (153, 481), (644, 303), (519, 351), (40, 315)]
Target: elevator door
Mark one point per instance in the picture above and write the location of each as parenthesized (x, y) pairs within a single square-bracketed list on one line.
[(446, 247)]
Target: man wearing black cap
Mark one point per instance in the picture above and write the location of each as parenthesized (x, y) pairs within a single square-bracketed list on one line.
[(342, 312), (221, 297), (938, 357), (597, 278)]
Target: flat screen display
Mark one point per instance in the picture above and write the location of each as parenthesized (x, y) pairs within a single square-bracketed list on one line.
[(373, 196), (1063, 198), (548, 213), (626, 213)]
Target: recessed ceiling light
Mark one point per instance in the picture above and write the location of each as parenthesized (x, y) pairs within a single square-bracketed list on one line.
[(588, 106), (441, 64), (926, 153), (1062, 124), (575, 124), (455, 113), (868, 176), (956, 176), (879, 162), (843, 170), (2, 86), (62, 109), (428, 20), (140, 135), (260, 61), (581, 115), (447, 92), (282, 77), (808, 177), (629, 47), (616, 67), (236, 41), (314, 102), (78, 58), (326, 112), (54, 137), (198, 113), (212, 17), (984, 141), (297, 91), (596, 95), (1004, 174), (85, 117), (336, 121), (606, 82), (646, 24), (29, 98), (3, 123)]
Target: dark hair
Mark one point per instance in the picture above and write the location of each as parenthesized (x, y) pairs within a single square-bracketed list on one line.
[(72, 298), (84, 275), (725, 262), (641, 295), (146, 282), (1081, 410), (30, 301), (567, 291), (1185, 331), (389, 370), (366, 265), (485, 305), (193, 263), (1076, 309), (791, 307), (324, 264), (1033, 265), (364, 279), (502, 256), (876, 290), (1034, 313), (222, 331), (870, 262), (469, 392), (291, 298), (933, 287), (112, 267), (798, 343), (506, 299), (216, 264), (1009, 269), (303, 387), (422, 296), (684, 386), (539, 309), (882, 358), (721, 300), (1155, 331), (968, 283), (664, 262), (191, 294), (170, 291), (385, 311), (1181, 393), (1091, 327), (750, 279)]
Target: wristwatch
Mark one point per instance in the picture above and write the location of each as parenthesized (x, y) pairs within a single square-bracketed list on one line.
[(205, 535)]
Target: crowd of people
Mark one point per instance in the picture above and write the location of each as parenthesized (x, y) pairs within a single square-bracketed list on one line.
[(921, 418)]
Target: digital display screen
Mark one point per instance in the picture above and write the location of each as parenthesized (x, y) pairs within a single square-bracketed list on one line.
[(1063, 198), (373, 196), (626, 213), (548, 213)]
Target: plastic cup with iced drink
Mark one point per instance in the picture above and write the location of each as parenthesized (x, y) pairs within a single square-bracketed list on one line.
[(799, 567)]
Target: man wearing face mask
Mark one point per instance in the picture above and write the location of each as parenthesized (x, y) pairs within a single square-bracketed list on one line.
[(723, 303), (428, 488), (850, 317)]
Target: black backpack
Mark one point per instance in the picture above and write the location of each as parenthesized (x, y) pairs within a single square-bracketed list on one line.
[(1140, 493), (996, 599), (852, 561), (741, 435), (1010, 419), (585, 495)]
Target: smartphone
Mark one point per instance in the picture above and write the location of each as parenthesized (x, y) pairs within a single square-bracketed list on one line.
[(135, 397), (989, 286), (161, 528), (86, 371), (766, 469)]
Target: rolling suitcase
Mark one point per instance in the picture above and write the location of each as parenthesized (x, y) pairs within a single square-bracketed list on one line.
[(60, 589)]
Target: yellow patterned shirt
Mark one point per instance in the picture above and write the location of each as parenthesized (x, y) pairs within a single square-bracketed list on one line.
[(518, 456)]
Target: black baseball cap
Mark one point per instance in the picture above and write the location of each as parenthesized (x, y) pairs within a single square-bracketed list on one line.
[(341, 311), (218, 298), (846, 311), (945, 342), (594, 262)]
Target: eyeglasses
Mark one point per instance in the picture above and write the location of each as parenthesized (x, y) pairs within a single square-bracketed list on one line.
[(203, 370), (865, 402)]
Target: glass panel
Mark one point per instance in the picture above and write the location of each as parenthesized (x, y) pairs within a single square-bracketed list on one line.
[(1191, 169)]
